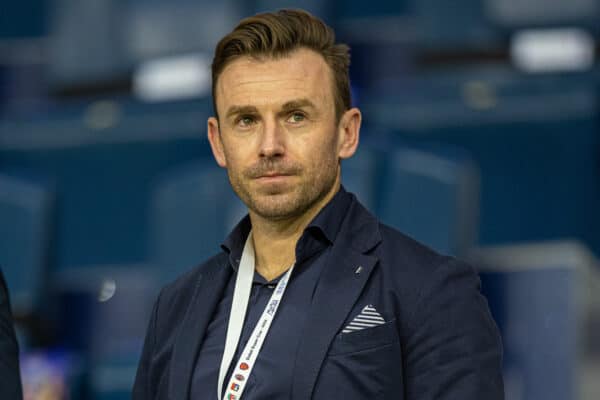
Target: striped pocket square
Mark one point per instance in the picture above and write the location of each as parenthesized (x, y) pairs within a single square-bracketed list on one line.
[(369, 317)]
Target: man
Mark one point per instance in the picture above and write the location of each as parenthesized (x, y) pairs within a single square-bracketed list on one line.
[(311, 297), (10, 378)]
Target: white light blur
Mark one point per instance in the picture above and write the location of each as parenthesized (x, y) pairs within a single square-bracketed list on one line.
[(107, 290), (173, 78), (553, 50)]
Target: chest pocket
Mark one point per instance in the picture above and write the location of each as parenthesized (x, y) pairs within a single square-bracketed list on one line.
[(364, 339), (365, 364)]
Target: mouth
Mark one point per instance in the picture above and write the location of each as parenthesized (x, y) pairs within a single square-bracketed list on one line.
[(273, 177)]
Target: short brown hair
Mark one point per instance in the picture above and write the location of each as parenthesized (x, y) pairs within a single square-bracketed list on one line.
[(277, 35)]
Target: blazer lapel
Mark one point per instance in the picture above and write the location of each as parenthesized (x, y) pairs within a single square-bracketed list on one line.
[(347, 271), (338, 289), (206, 297)]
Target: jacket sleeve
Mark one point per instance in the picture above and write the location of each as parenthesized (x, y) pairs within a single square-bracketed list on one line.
[(10, 378), (454, 350), (143, 388)]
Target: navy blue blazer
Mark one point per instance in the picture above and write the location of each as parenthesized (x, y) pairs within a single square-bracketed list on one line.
[(10, 378), (439, 340)]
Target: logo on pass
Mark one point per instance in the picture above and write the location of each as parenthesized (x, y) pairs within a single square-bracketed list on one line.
[(272, 306)]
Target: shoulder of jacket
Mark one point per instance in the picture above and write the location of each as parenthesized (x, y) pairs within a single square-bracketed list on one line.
[(405, 254)]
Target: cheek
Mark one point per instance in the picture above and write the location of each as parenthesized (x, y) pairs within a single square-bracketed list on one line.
[(234, 153), (323, 157), (233, 163)]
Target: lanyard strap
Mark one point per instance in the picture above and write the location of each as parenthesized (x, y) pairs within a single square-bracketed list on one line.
[(239, 304), (241, 295)]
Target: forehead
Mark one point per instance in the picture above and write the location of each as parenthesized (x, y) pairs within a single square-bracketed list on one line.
[(302, 73)]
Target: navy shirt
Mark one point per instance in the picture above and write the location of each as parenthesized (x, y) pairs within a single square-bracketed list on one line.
[(272, 375)]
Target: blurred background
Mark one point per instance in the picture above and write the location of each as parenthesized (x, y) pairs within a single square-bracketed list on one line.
[(481, 138)]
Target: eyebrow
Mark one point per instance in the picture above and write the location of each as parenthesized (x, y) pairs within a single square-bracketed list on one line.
[(287, 107), (299, 103), (235, 110)]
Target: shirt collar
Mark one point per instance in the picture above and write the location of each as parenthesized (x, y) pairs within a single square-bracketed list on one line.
[(329, 219), (324, 227)]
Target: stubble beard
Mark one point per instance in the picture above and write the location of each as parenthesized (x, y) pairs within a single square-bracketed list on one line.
[(287, 203)]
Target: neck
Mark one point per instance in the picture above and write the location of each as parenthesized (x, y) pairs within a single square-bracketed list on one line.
[(275, 240)]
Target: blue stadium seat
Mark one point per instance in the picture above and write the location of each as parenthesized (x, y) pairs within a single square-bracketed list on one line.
[(534, 138), (104, 315), (457, 25), (432, 197), (98, 53), (112, 36), (511, 14), (181, 26), (102, 158), (193, 209), (473, 25), (26, 212), (537, 293)]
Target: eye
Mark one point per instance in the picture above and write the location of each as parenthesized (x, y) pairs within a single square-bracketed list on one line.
[(296, 117), (246, 120)]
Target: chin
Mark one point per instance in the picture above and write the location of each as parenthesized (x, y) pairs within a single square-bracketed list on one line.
[(280, 202), (277, 206)]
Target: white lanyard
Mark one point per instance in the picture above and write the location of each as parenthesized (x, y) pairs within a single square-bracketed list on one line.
[(241, 295)]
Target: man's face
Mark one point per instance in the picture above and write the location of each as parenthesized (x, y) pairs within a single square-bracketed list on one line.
[(277, 134)]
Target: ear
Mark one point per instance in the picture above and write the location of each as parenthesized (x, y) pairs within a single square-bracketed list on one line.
[(216, 145), (348, 133)]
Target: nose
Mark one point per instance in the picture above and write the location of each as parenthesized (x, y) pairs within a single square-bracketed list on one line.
[(272, 142)]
